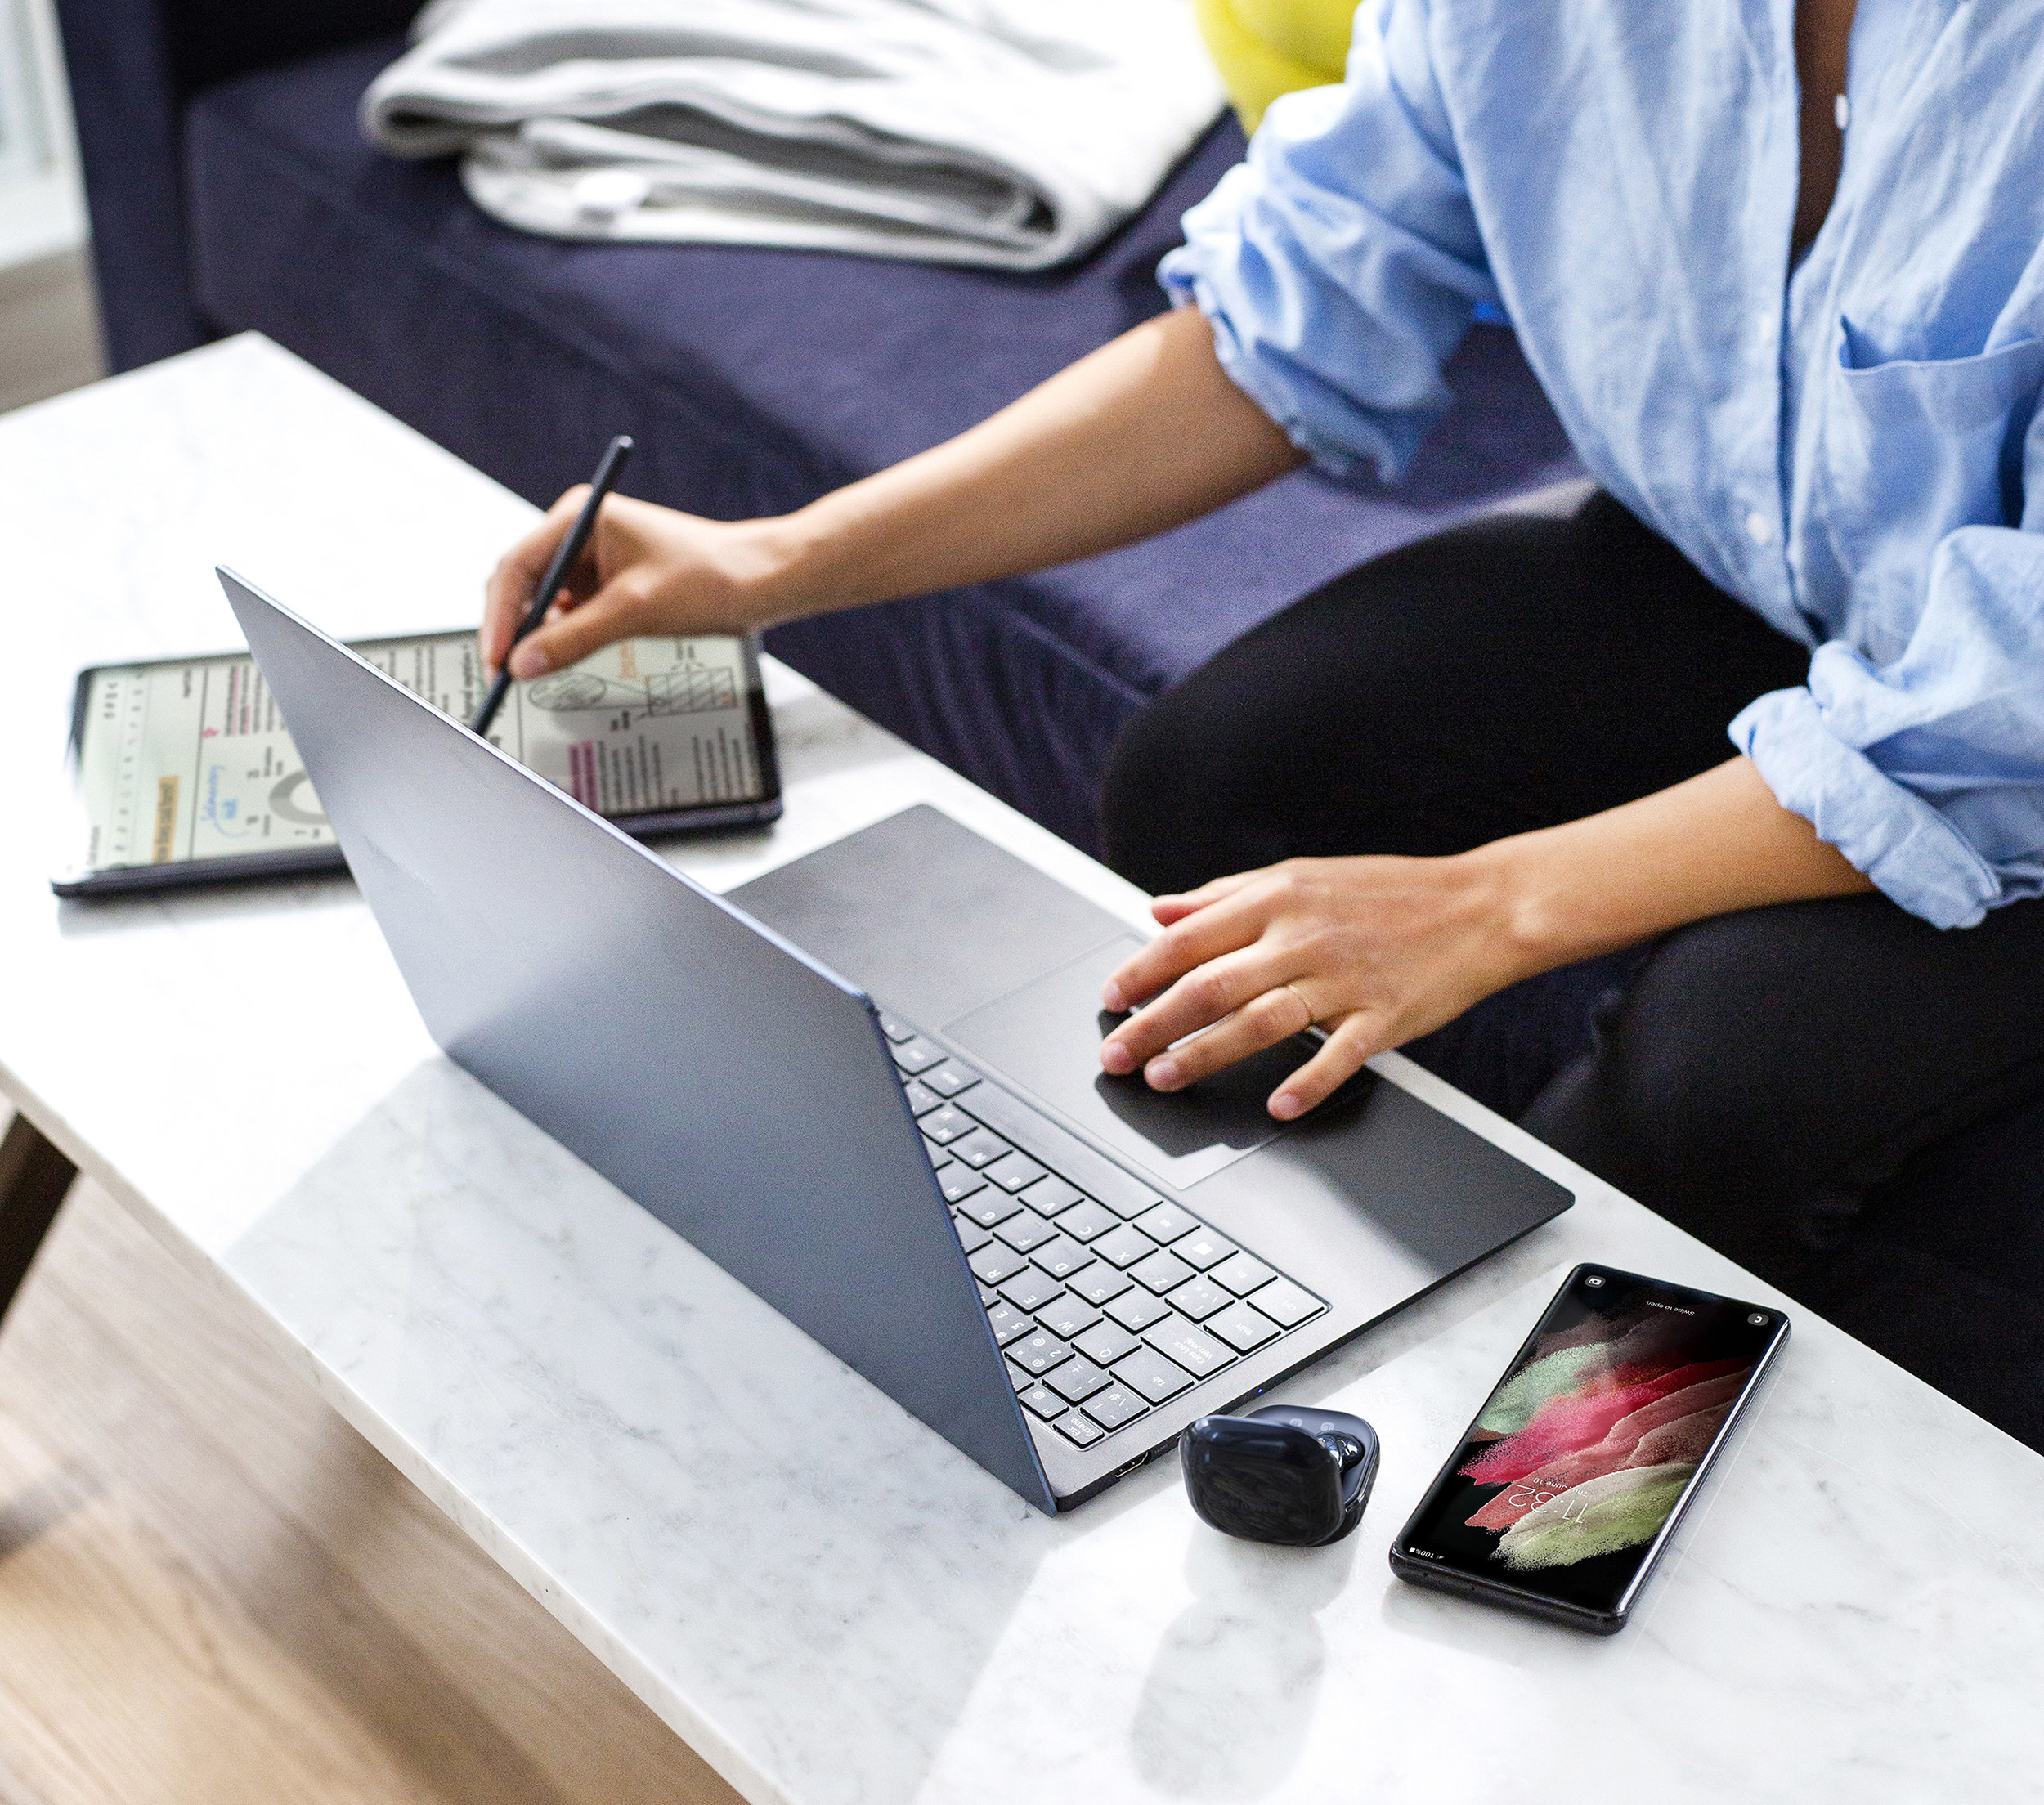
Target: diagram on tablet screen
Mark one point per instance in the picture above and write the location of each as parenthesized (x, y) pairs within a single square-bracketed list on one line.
[(686, 689), (189, 759)]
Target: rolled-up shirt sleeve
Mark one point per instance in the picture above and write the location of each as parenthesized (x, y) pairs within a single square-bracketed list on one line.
[(1928, 773), (1340, 264)]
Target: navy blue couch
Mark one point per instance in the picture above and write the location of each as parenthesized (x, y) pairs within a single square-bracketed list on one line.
[(230, 188)]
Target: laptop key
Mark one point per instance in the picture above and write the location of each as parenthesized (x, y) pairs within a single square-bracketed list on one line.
[(1188, 1345), (986, 1206), (1017, 1378), (971, 1235), (1161, 1272), (1038, 1353), (1137, 1308), (1166, 1222), (1114, 1406), (1025, 1230), (1067, 1315), (1203, 1248), (1199, 1299), (895, 1029), (1242, 1327), (1013, 1171), (1129, 1203), (989, 1296), (917, 1055), (1040, 1400), (920, 1101), (1286, 1304), (1061, 1257), (1241, 1273), (946, 1125), (1077, 1379), (1030, 1290), (979, 1149), (1008, 1324), (1099, 1281), (1147, 1373), (994, 1264), (1124, 1246), (948, 1081), (1087, 1222), (1047, 1196), (1075, 1425), (1107, 1343), (959, 1182)]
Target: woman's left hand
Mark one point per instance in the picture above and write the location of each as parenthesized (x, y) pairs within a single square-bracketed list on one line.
[(1376, 951)]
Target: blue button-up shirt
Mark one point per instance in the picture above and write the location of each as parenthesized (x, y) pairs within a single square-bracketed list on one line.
[(1852, 447)]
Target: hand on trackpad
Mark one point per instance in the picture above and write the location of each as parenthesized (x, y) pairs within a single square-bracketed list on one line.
[(1046, 1037)]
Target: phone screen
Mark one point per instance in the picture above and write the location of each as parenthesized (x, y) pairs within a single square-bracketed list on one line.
[(1586, 1447)]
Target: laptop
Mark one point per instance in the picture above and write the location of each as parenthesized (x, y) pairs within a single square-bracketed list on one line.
[(867, 1086)]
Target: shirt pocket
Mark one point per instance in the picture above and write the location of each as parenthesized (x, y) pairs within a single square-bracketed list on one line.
[(1914, 449)]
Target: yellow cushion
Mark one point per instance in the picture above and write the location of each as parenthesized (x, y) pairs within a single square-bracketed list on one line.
[(1264, 48)]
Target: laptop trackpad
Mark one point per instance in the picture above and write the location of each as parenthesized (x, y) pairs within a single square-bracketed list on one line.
[(1046, 1038)]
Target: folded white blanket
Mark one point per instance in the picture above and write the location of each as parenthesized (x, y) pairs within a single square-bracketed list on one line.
[(1016, 133)]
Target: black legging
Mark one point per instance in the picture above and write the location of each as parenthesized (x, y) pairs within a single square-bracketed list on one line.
[(1750, 1077)]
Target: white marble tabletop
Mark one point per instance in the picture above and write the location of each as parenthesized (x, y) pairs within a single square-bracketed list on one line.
[(825, 1599)]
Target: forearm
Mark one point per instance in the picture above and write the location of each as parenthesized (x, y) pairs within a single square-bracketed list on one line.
[(1144, 434), (1718, 842)]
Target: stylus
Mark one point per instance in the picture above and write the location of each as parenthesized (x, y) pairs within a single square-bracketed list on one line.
[(566, 555)]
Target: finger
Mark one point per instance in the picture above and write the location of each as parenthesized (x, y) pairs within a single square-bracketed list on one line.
[(1199, 1000), (616, 612), (1233, 922), (1170, 909), (509, 594), (1359, 1037), (1263, 1021)]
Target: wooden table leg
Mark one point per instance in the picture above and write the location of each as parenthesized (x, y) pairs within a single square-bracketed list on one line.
[(33, 1178)]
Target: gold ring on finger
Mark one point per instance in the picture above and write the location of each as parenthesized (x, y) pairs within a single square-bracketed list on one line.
[(1310, 1018)]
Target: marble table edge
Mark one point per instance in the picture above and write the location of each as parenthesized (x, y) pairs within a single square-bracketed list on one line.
[(701, 1733)]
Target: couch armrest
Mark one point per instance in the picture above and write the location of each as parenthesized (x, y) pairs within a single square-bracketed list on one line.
[(133, 65)]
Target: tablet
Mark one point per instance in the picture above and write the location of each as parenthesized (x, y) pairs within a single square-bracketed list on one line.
[(183, 773)]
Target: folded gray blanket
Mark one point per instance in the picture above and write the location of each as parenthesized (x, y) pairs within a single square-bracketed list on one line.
[(1015, 133)]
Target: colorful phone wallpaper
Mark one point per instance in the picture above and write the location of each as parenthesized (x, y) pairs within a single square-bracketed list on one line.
[(1585, 1448)]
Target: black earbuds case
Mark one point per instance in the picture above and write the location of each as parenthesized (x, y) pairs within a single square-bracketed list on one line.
[(1282, 1474)]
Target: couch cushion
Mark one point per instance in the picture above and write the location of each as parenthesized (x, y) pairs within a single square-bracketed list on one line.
[(755, 379)]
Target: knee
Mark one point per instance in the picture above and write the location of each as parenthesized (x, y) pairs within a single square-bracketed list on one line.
[(1174, 811), (1693, 1103)]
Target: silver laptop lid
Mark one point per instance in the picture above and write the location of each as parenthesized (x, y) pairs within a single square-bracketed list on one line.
[(733, 1086)]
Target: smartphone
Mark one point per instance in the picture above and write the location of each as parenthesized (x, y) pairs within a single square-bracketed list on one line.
[(1570, 1483), (182, 771)]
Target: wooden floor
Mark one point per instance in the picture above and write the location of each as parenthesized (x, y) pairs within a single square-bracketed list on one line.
[(211, 1588)]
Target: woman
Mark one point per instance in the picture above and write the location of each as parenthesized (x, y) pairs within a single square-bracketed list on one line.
[(1778, 269)]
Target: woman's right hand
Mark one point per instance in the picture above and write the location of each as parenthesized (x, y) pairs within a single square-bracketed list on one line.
[(649, 570)]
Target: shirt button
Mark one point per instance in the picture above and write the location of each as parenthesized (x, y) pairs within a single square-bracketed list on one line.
[(1760, 528)]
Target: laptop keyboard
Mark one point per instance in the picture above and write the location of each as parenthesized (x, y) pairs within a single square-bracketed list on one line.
[(1107, 1299)]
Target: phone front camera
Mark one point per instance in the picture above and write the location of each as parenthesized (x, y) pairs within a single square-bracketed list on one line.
[(1592, 1281), (1757, 1319)]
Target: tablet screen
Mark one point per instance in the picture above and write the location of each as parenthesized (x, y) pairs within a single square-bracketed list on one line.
[(187, 759)]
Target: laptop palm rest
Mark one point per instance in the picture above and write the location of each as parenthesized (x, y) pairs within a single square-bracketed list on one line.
[(1376, 1196)]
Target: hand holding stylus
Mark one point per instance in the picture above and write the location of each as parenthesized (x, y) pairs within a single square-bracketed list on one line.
[(566, 555), (648, 571)]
